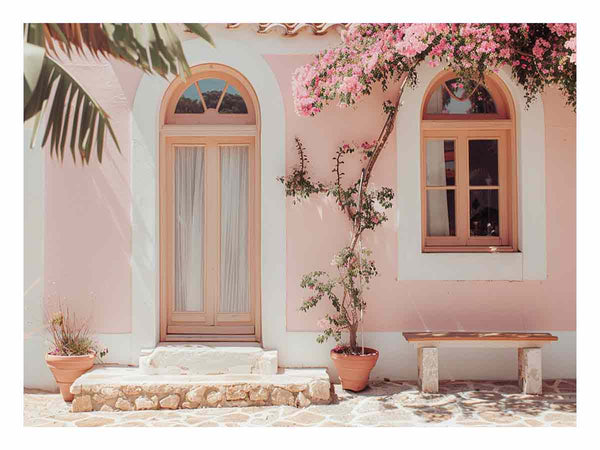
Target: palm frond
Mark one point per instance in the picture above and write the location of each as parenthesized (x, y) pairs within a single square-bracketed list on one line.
[(153, 48), (86, 126)]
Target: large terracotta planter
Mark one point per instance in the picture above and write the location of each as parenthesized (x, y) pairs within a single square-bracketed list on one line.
[(66, 369), (354, 370)]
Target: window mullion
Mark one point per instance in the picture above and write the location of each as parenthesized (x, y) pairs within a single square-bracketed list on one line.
[(212, 227), (222, 96), (463, 189), (201, 96)]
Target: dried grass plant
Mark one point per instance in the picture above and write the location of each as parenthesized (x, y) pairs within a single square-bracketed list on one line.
[(71, 336)]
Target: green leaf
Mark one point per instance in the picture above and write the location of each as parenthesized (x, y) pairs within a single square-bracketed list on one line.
[(63, 139), (199, 30), (78, 103), (87, 120), (153, 48)]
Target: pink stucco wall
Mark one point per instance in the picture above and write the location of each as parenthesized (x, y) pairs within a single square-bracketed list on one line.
[(315, 230), (87, 245), (88, 224)]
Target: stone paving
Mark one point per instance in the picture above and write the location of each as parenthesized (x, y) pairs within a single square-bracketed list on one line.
[(384, 403)]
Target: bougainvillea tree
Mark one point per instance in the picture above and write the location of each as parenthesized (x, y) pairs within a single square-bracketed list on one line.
[(538, 55)]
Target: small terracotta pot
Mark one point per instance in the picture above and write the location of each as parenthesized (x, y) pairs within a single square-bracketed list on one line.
[(354, 370), (66, 369)]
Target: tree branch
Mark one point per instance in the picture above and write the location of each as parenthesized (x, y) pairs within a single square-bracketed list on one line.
[(388, 126)]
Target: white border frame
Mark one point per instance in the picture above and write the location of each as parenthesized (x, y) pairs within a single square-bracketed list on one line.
[(527, 264)]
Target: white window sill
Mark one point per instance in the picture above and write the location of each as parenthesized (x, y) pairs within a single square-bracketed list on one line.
[(461, 266)]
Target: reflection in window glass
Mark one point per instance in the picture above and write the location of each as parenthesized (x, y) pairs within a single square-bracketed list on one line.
[(189, 102), (484, 212), (441, 219), (233, 103), (479, 102), (211, 88), (440, 162), (483, 162)]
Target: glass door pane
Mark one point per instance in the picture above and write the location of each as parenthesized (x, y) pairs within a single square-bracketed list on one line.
[(189, 229), (234, 283)]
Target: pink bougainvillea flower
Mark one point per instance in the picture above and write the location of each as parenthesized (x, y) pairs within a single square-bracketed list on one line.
[(323, 323), (372, 52)]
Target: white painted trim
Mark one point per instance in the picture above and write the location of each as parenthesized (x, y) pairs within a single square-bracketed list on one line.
[(34, 218), (246, 58), (530, 262), (209, 130)]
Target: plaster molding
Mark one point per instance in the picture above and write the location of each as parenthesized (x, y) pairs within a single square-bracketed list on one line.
[(248, 60), (530, 262)]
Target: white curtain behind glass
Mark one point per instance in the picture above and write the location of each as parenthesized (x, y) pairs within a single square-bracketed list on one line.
[(436, 102), (437, 201), (234, 229), (189, 228)]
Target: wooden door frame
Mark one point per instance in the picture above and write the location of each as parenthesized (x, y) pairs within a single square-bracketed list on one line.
[(170, 125), (197, 136)]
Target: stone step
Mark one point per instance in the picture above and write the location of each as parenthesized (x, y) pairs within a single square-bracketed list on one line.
[(206, 359), (120, 388)]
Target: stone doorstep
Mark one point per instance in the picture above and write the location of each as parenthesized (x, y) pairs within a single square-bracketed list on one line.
[(201, 359), (128, 388)]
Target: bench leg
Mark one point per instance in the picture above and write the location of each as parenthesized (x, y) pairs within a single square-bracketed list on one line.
[(530, 370), (428, 369)]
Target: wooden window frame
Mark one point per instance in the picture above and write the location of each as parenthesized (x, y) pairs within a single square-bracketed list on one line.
[(461, 129)]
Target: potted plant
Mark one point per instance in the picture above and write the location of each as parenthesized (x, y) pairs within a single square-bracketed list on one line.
[(352, 361), (365, 208), (72, 351)]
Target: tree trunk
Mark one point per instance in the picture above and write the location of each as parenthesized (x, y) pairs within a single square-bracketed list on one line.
[(388, 126), (352, 330)]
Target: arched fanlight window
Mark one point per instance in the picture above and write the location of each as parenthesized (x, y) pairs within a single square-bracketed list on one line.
[(452, 98), (211, 98), (456, 97), (211, 93)]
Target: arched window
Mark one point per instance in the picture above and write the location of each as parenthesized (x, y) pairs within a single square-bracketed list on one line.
[(210, 208), (211, 97), (468, 167)]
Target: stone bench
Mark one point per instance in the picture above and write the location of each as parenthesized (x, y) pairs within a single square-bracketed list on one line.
[(528, 345)]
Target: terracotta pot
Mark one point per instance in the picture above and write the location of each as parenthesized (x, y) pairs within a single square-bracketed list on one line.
[(354, 370), (66, 369)]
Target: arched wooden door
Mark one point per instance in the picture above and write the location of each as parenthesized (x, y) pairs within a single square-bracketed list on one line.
[(210, 209)]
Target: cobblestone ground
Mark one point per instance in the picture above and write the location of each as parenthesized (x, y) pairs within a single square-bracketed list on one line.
[(384, 403)]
